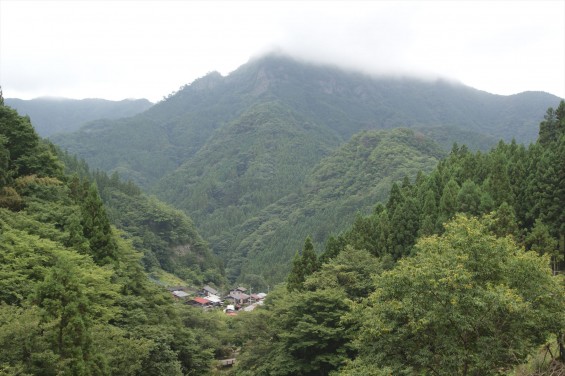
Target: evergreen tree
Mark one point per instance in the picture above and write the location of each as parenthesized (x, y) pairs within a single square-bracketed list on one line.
[(469, 198), (96, 228), (303, 265), (295, 278), (448, 202), (309, 258), (404, 228), (428, 214), (395, 199)]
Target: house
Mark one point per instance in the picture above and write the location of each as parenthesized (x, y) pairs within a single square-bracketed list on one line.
[(238, 290), (207, 290), (180, 294), (238, 297), (199, 302), (214, 299)]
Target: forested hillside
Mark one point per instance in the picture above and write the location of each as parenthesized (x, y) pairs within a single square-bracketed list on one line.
[(152, 144), (346, 183), (74, 298), (56, 115), (459, 273), (230, 150), (166, 237)]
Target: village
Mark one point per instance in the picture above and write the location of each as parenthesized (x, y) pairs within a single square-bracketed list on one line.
[(208, 298)]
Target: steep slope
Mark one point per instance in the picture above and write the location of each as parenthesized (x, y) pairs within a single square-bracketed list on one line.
[(166, 237), (248, 164), (352, 179), (74, 299), (225, 148), (150, 145), (55, 115)]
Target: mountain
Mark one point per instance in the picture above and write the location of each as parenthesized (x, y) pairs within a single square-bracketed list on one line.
[(224, 149), (346, 183), (56, 115), (74, 298)]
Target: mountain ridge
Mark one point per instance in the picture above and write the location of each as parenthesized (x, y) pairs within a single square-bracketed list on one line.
[(52, 115), (223, 149)]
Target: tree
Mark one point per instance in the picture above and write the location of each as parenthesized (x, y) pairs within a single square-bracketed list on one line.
[(468, 303), (73, 297), (540, 240), (295, 278), (448, 202), (302, 266), (96, 227)]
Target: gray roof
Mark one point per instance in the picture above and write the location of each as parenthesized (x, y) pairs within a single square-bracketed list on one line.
[(180, 294), (210, 290)]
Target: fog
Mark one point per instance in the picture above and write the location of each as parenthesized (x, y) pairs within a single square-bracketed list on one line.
[(125, 49)]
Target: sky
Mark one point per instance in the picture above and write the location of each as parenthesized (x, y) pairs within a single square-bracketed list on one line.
[(148, 49)]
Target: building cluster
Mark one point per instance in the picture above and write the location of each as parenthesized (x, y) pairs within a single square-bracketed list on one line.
[(209, 298)]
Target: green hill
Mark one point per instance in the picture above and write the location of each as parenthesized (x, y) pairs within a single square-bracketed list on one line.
[(224, 149), (349, 181), (74, 298), (56, 115), (150, 145)]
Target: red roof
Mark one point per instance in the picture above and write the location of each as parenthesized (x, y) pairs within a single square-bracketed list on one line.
[(201, 300)]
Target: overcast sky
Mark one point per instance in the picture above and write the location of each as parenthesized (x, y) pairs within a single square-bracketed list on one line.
[(147, 49)]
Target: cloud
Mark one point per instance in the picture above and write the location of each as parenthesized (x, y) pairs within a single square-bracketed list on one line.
[(148, 49)]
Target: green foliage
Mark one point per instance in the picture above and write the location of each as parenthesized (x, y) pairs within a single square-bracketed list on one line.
[(245, 155), (303, 265), (166, 237), (344, 185), (74, 299), (467, 303)]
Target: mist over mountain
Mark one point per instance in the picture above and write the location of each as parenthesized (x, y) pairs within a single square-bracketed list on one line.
[(225, 149), (54, 115)]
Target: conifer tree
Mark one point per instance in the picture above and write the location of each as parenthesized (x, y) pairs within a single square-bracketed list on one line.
[(96, 227), (469, 198), (448, 202), (295, 278), (309, 258), (303, 265)]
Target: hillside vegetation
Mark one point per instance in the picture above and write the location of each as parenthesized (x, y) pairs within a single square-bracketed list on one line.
[(57, 115), (74, 298), (230, 151), (459, 273)]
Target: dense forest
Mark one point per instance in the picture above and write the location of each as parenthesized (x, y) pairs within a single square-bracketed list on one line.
[(74, 296), (458, 272), (268, 154)]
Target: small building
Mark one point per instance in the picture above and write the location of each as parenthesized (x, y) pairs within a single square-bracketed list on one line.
[(238, 297), (239, 290), (199, 302), (207, 290), (214, 299), (180, 294)]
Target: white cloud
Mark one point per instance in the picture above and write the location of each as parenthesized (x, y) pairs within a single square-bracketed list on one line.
[(118, 49)]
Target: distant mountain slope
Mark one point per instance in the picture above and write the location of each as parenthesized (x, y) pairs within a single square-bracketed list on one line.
[(224, 149), (352, 179), (152, 144), (55, 115)]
